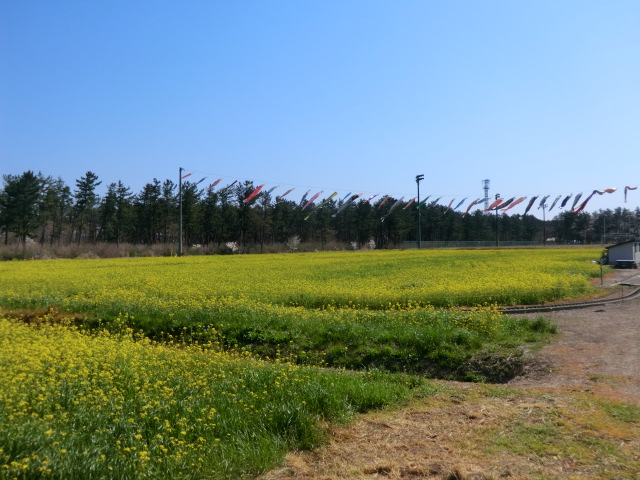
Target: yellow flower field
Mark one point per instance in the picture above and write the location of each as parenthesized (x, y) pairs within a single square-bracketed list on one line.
[(371, 280), (74, 405), (96, 400)]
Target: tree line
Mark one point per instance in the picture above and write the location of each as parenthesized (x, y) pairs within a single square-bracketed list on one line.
[(38, 208)]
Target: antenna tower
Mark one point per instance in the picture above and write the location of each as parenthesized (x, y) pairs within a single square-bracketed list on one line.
[(485, 186)]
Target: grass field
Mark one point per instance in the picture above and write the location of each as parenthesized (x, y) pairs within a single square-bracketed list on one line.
[(213, 367)]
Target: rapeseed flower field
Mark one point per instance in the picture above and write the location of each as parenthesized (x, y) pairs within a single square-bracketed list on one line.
[(101, 405), (207, 367), (380, 280)]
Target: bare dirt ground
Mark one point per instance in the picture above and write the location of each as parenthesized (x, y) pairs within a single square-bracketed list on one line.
[(550, 424), (598, 348)]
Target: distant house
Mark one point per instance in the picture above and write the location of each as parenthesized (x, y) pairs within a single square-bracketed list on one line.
[(629, 250)]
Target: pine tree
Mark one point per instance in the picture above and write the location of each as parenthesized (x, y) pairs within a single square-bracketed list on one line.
[(19, 205), (114, 212), (148, 211), (85, 207), (55, 208)]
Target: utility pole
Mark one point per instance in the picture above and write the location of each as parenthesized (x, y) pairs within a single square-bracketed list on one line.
[(180, 211), (497, 241), (418, 178), (544, 224)]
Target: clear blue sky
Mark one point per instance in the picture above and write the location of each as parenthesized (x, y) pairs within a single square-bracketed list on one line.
[(540, 97)]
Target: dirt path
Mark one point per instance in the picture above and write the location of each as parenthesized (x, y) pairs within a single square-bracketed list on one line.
[(553, 423), (598, 350)]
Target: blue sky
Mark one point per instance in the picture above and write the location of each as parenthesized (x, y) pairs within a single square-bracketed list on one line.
[(540, 97)]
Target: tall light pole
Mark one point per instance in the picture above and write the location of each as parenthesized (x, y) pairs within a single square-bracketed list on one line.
[(418, 178), (544, 224), (180, 211), (497, 241)]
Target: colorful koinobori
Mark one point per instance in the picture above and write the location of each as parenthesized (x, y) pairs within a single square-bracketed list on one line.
[(516, 202), (499, 205), (321, 205), (352, 199), (554, 202), (449, 206), (253, 194), (471, 205), (409, 203), (530, 204), (312, 199), (460, 204), (393, 207)]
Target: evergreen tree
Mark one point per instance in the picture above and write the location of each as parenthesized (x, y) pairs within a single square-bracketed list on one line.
[(169, 211), (85, 207), (190, 207), (148, 211), (19, 205), (55, 210), (123, 211), (283, 220), (229, 229), (247, 217), (115, 212), (34, 206), (264, 210)]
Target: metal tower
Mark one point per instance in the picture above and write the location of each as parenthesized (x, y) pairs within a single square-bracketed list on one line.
[(485, 186)]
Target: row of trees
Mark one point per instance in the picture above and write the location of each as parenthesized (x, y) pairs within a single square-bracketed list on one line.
[(44, 209)]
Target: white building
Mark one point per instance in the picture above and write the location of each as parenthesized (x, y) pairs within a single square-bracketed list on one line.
[(629, 250)]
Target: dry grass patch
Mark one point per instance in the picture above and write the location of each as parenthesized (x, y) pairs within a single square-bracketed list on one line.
[(473, 432)]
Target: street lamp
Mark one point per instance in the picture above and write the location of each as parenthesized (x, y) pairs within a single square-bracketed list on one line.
[(180, 170), (544, 223), (497, 197), (418, 178)]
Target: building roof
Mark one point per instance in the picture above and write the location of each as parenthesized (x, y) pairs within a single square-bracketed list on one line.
[(623, 243)]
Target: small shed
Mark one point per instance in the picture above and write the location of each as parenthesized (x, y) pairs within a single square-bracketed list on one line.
[(629, 250)]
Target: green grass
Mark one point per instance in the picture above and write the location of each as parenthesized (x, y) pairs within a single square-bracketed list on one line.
[(595, 436), (349, 310), (215, 367), (437, 343), (74, 405)]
